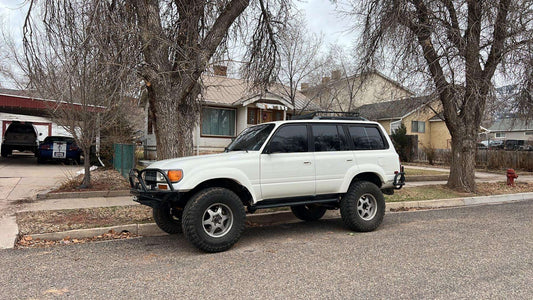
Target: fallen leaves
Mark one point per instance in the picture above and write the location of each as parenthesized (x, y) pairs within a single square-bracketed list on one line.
[(27, 241)]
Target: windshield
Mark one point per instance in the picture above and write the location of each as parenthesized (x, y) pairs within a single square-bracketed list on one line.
[(251, 139)]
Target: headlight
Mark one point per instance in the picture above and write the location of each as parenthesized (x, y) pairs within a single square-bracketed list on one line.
[(173, 175)]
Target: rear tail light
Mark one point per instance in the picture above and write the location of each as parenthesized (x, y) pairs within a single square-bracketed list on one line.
[(73, 148), (45, 147)]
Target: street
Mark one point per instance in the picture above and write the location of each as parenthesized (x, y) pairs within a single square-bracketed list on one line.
[(470, 252)]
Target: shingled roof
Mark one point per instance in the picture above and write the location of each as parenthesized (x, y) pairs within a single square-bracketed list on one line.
[(393, 110), (230, 91)]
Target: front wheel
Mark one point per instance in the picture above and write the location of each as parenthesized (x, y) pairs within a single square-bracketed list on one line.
[(363, 206), (167, 218), (310, 212), (213, 219)]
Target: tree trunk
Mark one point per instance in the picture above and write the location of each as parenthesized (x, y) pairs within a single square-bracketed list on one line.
[(463, 162), (176, 120), (86, 182)]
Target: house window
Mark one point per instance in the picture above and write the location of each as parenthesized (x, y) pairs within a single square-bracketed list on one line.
[(418, 126), (500, 134), (395, 125), (252, 115), (278, 115), (218, 121)]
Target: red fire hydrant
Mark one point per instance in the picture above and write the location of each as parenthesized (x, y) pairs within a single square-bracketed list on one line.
[(511, 176)]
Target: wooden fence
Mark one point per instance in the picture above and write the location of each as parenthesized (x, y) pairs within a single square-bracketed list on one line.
[(491, 159)]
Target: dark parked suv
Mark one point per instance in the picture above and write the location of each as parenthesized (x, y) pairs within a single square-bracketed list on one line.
[(20, 136)]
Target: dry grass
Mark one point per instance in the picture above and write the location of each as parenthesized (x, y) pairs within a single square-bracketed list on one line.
[(69, 219)]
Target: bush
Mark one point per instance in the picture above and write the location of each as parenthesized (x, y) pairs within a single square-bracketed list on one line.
[(403, 143)]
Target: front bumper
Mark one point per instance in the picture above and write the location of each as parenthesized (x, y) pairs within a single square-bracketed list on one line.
[(146, 192)]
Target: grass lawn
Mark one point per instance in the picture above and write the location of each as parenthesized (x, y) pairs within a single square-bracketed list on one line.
[(415, 172)]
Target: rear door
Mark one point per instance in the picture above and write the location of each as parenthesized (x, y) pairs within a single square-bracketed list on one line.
[(287, 166), (333, 157)]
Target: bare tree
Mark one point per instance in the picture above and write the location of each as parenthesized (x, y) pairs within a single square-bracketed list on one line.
[(81, 60), (179, 38), (459, 45), (299, 58)]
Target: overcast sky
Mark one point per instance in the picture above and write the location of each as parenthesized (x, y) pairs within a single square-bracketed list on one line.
[(320, 15)]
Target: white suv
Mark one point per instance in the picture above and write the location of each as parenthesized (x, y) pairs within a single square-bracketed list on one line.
[(309, 165)]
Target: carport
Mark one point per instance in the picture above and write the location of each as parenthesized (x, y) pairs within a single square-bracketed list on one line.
[(18, 105), (24, 106)]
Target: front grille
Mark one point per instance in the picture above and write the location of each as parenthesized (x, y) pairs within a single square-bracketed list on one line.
[(150, 177)]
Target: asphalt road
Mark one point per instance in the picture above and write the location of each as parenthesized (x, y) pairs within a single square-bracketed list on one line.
[(472, 253)]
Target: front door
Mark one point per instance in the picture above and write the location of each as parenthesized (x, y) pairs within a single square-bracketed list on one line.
[(287, 167), (266, 116)]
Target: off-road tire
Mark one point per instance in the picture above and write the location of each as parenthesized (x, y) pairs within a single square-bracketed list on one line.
[(200, 212), (169, 220), (5, 151), (356, 210), (308, 212)]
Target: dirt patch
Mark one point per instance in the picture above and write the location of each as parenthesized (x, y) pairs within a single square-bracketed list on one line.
[(62, 220), (101, 180)]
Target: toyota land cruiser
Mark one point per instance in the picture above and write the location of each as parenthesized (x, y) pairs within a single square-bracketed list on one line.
[(309, 165)]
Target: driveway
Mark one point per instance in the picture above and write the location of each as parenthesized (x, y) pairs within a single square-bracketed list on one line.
[(22, 178)]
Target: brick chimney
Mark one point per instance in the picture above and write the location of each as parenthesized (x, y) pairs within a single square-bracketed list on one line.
[(220, 70), (325, 80), (336, 75), (304, 86)]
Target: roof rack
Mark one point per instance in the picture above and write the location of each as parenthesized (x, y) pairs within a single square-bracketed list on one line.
[(330, 115)]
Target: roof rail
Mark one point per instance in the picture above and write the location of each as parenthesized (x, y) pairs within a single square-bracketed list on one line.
[(330, 115)]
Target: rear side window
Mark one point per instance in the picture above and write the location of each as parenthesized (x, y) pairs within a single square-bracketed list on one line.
[(329, 137), (367, 138), (290, 138)]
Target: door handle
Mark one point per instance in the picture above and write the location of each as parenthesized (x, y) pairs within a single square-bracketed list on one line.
[(307, 162), (349, 160)]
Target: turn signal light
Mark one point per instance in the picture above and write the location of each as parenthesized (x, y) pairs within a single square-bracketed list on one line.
[(175, 175)]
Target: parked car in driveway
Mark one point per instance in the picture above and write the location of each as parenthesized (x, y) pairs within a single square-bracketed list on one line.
[(58, 148), (20, 136)]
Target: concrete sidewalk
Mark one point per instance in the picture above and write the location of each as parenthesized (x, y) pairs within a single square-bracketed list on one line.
[(9, 226)]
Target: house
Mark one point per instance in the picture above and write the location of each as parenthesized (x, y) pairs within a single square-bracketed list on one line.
[(345, 93), (422, 116), (229, 106), (511, 129)]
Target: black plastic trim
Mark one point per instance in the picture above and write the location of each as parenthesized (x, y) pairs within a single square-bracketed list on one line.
[(291, 201)]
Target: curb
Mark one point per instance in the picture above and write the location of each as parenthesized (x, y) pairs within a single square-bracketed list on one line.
[(285, 217), (151, 229), (455, 202), (93, 194)]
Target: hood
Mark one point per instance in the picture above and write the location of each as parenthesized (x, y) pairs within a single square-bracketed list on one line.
[(190, 162)]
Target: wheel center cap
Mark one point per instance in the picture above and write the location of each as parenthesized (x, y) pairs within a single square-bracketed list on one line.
[(217, 219)]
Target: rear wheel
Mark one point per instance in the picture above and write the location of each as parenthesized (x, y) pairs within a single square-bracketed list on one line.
[(310, 212), (167, 218), (213, 219), (363, 206)]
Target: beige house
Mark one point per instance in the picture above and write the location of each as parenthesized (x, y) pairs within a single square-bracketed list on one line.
[(229, 106), (422, 116), (341, 93)]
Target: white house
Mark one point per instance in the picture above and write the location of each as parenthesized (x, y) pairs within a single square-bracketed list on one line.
[(229, 106)]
